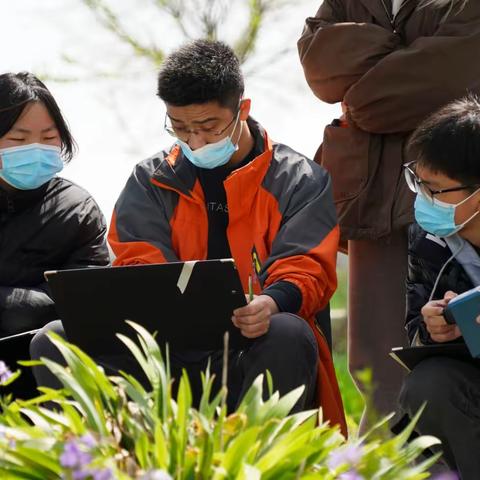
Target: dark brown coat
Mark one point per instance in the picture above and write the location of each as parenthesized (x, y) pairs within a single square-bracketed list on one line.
[(391, 75)]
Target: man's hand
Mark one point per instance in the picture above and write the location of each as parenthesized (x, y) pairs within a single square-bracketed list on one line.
[(437, 327), (253, 320)]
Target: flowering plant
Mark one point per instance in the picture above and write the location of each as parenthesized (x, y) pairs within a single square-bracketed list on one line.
[(104, 428)]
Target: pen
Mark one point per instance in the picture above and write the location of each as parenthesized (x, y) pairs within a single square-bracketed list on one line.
[(250, 288)]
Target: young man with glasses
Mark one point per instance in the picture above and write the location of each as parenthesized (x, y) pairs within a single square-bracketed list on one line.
[(444, 249), (224, 190)]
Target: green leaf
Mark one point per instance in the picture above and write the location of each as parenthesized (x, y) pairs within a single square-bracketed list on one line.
[(286, 445), (141, 450), (248, 472), (42, 462), (95, 418), (184, 402), (146, 367), (160, 447), (30, 363), (238, 449), (269, 383), (10, 379)]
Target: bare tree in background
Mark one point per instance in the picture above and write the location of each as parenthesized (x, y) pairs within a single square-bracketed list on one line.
[(149, 29), (193, 19)]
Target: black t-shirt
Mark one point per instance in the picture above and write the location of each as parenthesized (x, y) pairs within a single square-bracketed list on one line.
[(211, 181), (286, 295)]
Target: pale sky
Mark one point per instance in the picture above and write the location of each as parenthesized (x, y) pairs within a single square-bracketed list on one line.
[(118, 121)]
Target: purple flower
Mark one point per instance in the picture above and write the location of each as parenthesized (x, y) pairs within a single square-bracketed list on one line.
[(74, 457), (80, 474), (348, 455), (88, 473), (156, 475), (5, 372), (351, 475), (105, 474), (88, 440), (447, 476)]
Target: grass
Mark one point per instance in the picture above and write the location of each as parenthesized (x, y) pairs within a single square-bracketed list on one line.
[(352, 400), (339, 298)]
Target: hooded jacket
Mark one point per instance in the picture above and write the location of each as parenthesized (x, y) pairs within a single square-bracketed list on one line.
[(280, 208), (427, 254), (391, 73), (56, 226)]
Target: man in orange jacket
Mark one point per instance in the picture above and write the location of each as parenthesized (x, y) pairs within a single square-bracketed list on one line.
[(226, 190)]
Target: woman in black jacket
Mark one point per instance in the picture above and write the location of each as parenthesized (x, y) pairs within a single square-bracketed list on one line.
[(46, 222)]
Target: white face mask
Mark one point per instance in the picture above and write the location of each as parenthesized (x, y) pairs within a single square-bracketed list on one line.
[(212, 155)]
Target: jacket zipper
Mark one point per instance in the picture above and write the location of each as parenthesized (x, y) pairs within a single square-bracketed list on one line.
[(10, 207), (390, 16)]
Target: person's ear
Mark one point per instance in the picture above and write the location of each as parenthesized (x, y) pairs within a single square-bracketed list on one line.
[(245, 109)]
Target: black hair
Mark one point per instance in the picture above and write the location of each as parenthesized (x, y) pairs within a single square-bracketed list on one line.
[(17, 90), (448, 141), (199, 72)]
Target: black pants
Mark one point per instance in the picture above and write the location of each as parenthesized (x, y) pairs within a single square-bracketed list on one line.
[(289, 351), (451, 389)]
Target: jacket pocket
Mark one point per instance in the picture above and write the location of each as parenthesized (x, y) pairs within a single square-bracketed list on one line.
[(345, 154), (362, 190)]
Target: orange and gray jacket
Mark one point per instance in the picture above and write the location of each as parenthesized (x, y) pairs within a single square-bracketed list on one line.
[(280, 207)]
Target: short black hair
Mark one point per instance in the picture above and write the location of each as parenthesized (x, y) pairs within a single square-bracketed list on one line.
[(448, 141), (199, 72), (17, 90)]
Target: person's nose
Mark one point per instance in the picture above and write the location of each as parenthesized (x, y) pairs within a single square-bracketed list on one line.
[(196, 141)]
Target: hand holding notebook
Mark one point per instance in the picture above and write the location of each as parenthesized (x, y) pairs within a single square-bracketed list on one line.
[(463, 310)]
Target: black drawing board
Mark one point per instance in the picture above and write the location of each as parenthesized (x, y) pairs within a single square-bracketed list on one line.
[(410, 357), (188, 304)]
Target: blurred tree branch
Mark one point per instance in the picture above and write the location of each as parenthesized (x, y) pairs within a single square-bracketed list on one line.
[(106, 16), (194, 19)]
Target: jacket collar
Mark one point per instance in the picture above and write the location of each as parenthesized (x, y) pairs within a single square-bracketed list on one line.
[(405, 11), (12, 201), (382, 11), (175, 172)]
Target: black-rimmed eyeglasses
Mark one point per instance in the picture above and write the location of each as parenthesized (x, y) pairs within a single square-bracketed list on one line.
[(417, 185)]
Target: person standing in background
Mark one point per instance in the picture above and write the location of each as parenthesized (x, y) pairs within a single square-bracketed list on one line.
[(390, 63)]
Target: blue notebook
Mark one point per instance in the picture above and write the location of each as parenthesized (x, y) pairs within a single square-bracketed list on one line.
[(464, 310)]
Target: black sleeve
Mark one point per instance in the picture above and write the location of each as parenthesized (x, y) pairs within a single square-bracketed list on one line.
[(417, 296), (23, 309), (91, 246), (418, 293), (286, 295)]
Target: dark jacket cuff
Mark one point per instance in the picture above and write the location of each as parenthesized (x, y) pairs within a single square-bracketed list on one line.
[(286, 295)]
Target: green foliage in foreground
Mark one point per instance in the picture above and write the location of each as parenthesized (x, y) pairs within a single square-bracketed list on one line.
[(352, 399), (112, 428)]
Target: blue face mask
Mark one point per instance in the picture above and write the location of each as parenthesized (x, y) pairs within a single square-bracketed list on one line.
[(211, 155), (438, 218), (29, 166)]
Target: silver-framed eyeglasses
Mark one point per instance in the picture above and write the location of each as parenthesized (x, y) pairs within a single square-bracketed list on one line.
[(417, 185)]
